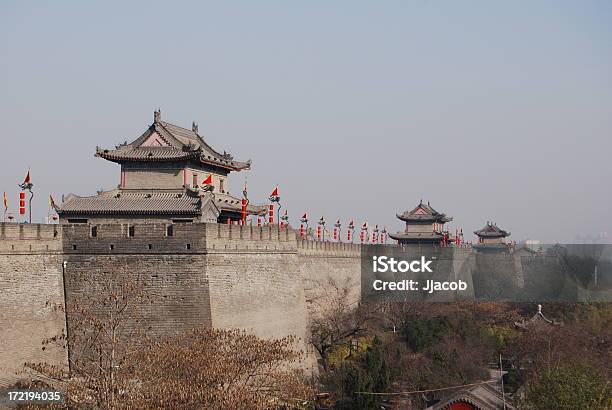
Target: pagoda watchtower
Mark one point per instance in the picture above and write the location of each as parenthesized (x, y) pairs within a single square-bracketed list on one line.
[(491, 234), (424, 225), (168, 174), (491, 237)]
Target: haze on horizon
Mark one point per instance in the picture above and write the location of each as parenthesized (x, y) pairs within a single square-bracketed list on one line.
[(357, 110)]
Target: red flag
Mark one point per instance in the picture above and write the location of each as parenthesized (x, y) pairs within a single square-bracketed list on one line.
[(275, 192), (27, 179), (5, 203), (208, 180), (305, 216)]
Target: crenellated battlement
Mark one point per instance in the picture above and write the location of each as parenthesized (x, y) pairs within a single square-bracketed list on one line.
[(151, 238), (220, 238), (13, 231), (163, 238), (133, 238), (29, 238), (328, 249), (177, 238)]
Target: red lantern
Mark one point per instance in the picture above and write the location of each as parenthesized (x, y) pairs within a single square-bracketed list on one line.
[(271, 214), (22, 209), (244, 211)]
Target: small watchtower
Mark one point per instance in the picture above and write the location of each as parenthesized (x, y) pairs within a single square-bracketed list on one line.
[(491, 234), (424, 225), (491, 237)]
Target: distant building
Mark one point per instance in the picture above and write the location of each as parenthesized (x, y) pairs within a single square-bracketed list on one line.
[(537, 322), (485, 396), (491, 238), (424, 225), (533, 244), (162, 175)]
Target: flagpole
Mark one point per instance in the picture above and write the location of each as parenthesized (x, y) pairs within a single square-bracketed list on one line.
[(274, 197), (28, 185), (30, 206)]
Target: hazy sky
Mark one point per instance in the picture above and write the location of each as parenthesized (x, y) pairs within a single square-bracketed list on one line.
[(490, 110)]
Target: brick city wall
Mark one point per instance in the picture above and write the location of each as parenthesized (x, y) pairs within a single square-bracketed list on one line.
[(225, 276), (171, 270), (31, 297), (326, 268)]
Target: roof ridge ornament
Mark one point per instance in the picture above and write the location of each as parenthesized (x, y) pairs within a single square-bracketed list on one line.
[(157, 116), (194, 127)]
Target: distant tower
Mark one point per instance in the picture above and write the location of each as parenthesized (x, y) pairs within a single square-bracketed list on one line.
[(424, 225), (490, 237)]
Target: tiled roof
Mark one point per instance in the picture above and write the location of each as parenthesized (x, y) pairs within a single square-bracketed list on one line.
[(226, 202), (424, 213), (491, 230), (537, 320), (416, 235), (185, 135), (480, 396), (117, 202), (183, 144), (191, 138), (146, 154), (187, 202)]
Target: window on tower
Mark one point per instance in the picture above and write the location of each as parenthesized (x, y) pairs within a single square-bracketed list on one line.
[(194, 182), (221, 186)]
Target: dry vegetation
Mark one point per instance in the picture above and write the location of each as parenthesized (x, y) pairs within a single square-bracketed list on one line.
[(361, 348)]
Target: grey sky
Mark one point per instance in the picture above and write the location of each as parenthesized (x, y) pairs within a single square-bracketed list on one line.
[(490, 110)]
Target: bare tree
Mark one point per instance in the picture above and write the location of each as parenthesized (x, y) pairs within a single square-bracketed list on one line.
[(336, 318), (209, 368), (116, 363), (105, 331)]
